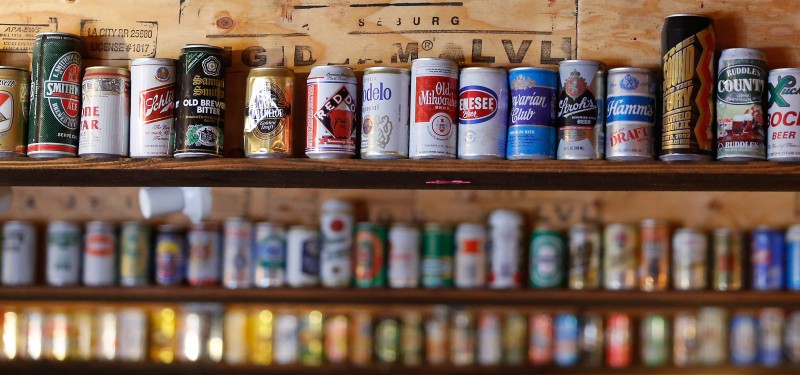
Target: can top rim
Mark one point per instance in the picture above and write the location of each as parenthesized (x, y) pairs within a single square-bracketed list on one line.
[(580, 61), (286, 71), (434, 59), (57, 33), (5, 67), (631, 69), (142, 60), (687, 15), (533, 68), (100, 69), (387, 69), (168, 228), (483, 69), (202, 45), (795, 70)]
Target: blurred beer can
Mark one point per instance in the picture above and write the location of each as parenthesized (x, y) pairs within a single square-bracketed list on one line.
[(436, 342), (106, 339), (336, 334), (361, 338), (84, 334), (287, 339), (767, 259), (655, 255), (336, 246), (262, 326), (618, 340), (727, 262), (310, 338), (163, 335), (462, 338), (12, 332), (489, 340), (505, 249), (584, 256), (411, 338), (437, 256), (793, 258), (269, 253), (199, 327), (234, 336), (370, 255), (743, 339), (620, 257), (689, 259), (387, 340), (540, 346), (686, 342), (63, 253), (35, 338), (203, 267), (99, 254), (770, 337), (170, 255), (58, 327), (483, 113), (515, 335), (302, 256), (237, 253), (655, 340), (590, 339), (791, 338), (470, 257), (712, 329), (547, 258), (404, 256), (19, 253), (565, 332), (783, 104), (134, 254), (132, 334)]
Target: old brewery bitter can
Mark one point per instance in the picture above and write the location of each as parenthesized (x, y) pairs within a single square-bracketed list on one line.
[(302, 256), (268, 113), (655, 255), (470, 259), (619, 258), (99, 250), (483, 113), (532, 131), (63, 253), (203, 266), (580, 110), (152, 107), (404, 256), (18, 253), (55, 96), (783, 112), (505, 249), (547, 258), (14, 107), (237, 256), (385, 113), (199, 103), (331, 113), (170, 257), (105, 112), (434, 110), (767, 259), (741, 133), (689, 259), (336, 246), (583, 242), (726, 272), (134, 254), (687, 62), (630, 114), (369, 258)]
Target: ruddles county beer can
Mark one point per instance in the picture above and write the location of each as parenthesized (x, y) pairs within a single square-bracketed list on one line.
[(630, 115), (14, 101), (580, 110), (532, 131), (483, 113), (434, 111), (741, 134), (385, 113), (331, 112), (152, 107), (783, 109), (268, 113), (105, 112)]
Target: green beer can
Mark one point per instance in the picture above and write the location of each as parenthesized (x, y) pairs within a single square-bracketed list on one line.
[(655, 335), (134, 259), (547, 258), (437, 256), (370, 256)]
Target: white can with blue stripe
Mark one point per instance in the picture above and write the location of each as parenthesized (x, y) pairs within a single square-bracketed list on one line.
[(630, 114)]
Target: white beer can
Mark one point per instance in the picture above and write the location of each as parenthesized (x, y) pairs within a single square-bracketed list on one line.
[(336, 230), (483, 113), (63, 253), (404, 253), (152, 107), (689, 259), (237, 253), (434, 111), (105, 112), (132, 334), (783, 113), (505, 249), (287, 340), (384, 113), (331, 109), (99, 247), (19, 253), (302, 256), (470, 256), (490, 339)]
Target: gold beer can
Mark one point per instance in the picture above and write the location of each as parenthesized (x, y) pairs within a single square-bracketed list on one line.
[(236, 336), (84, 329), (268, 113), (162, 335), (361, 328), (311, 338), (262, 331), (58, 327), (105, 345), (14, 101), (13, 343)]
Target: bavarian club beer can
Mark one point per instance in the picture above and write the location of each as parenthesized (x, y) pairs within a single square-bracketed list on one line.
[(105, 112), (726, 273), (19, 253), (687, 62), (404, 256), (584, 257), (152, 107), (55, 96), (483, 113), (14, 101), (203, 241), (767, 259), (302, 256), (330, 119), (434, 110), (532, 131), (783, 112), (619, 259), (99, 252), (385, 113), (741, 133), (170, 256), (336, 246), (63, 253), (630, 116), (269, 251), (547, 259), (134, 254), (200, 102), (237, 253), (369, 257), (268, 113), (655, 255), (689, 259), (580, 110), (470, 256), (505, 249)]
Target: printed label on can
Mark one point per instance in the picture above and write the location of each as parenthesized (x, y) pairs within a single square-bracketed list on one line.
[(153, 109), (385, 116), (200, 105), (740, 115), (477, 104), (433, 131), (310, 257), (531, 104), (104, 117), (14, 99), (576, 104), (630, 138), (331, 113), (783, 104), (267, 110), (369, 258), (62, 89)]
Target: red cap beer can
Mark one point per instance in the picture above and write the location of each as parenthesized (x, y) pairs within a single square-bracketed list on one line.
[(330, 120)]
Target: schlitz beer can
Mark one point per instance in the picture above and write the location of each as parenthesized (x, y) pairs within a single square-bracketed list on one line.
[(744, 339), (63, 253), (547, 259), (268, 113), (310, 338), (105, 112), (590, 339), (540, 346), (302, 256), (584, 257), (483, 113), (170, 257), (462, 338), (152, 107), (686, 341), (269, 251), (162, 331), (619, 349), (532, 131), (237, 253), (331, 116), (411, 338), (619, 258), (434, 111), (437, 256), (134, 254), (370, 256), (770, 337), (14, 107), (387, 341), (726, 272), (505, 249), (132, 334), (712, 334), (793, 258), (361, 334), (515, 332), (336, 332), (741, 132), (19, 253), (385, 113), (262, 325), (287, 338), (791, 338), (687, 63), (199, 103), (99, 254), (404, 256), (336, 246), (565, 332), (630, 115), (655, 255), (203, 242), (783, 112), (55, 96), (655, 340), (489, 340), (767, 250), (470, 260), (689, 259), (580, 110), (436, 336)]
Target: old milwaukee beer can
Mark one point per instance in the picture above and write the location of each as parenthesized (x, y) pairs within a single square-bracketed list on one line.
[(237, 253), (689, 259), (268, 113), (655, 255), (505, 249), (619, 349), (783, 112), (532, 130), (580, 110), (134, 254), (584, 257), (331, 115), (741, 133), (385, 113), (370, 256), (199, 102), (18, 253), (687, 63), (726, 272), (630, 115), (105, 112), (14, 107), (540, 347), (99, 254), (470, 259), (434, 110), (55, 96), (152, 107), (63, 253), (203, 265), (404, 256), (547, 259), (620, 257), (170, 256), (336, 245), (483, 113)]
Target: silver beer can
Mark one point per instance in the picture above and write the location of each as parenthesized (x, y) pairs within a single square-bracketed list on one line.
[(741, 82), (287, 338), (470, 256), (269, 251), (237, 253), (434, 111), (332, 102), (630, 114), (336, 232), (63, 253), (580, 119), (105, 333), (686, 340), (462, 338), (204, 254), (712, 333), (620, 256), (302, 256), (689, 259), (152, 107), (490, 340), (404, 256), (505, 249), (99, 254), (783, 113), (105, 113), (132, 334), (385, 113), (483, 113), (19, 253)]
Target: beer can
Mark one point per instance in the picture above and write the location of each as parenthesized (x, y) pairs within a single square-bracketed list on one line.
[(791, 338), (302, 256), (689, 259), (411, 338), (436, 342), (655, 340), (134, 254), (99, 254), (105, 348), (268, 113), (270, 255), (237, 253), (336, 330), (793, 257), (483, 113), (370, 256), (387, 341), (462, 338), (505, 249), (470, 258), (590, 339), (19, 253), (163, 337), (199, 324), (437, 256), (55, 108), (152, 107), (262, 325), (203, 266), (385, 113), (584, 257), (712, 335), (547, 259), (783, 112), (361, 334), (630, 115), (743, 339), (14, 108), (58, 326), (310, 338), (686, 342), (404, 256), (170, 256), (13, 324), (565, 332), (489, 340), (741, 132), (767, 259), (287, 339), (727, 261), (655, 255), (63, 253), (332, 104), (618, 340), (540, 347), (84, 331), (687, 56), (336, 246), (434, 111), (515, 335), (581, 103), (237, 336), (105, 112), (199, 103), (132, 334), (619, 259), (532, 130), (770, 337), (34, 331)]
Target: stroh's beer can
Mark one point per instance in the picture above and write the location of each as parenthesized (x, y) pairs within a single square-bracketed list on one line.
[(630, 115), (580, 110), (331, 115), (152, 107), (268, 113), (783, 110), (14, 107), (385, 113), (532, 131), (434, 111), (741, 133), (105, 113), (483, 113)]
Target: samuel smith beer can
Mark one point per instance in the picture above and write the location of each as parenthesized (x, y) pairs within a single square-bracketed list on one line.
[(783, 112), (199, 103), (302, 256), (269, 253), (336, 246), (370, 256), (470, 259), (437, 256), (268, 113), (689, 259), (580, 110), (19, 253), (741, 133), (619, 259), (547, 259), (105, 112), (152, 107), (385, 113), (532, 131), (169, 256), (14, 102), (687, 63), (726, 273), (630, 115), (483, 113), (99, 250), (505, 249), (134, 254), (55, 96), (203, 266), (404, 256), (655, 255), (237, 257), (331, 116), (63, 253), (434, 110), (767, 259), (584, 256), (793, 257)]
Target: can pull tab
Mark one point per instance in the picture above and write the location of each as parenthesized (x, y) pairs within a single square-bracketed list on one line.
[(448, 182)]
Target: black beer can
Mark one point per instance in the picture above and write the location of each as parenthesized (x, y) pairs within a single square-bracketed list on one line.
[(687, 61), (199, 103)]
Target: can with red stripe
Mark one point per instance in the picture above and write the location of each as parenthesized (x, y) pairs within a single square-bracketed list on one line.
[(99, 253), (618, 340), (152, 107), (330, 120), (434, 111), (540, 348), (105, 113)]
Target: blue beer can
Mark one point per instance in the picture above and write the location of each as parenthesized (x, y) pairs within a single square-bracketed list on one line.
[(767, 259), (743, 340), (793, 258), (566, 337), (770, 337), (630, 114), (532, 132), (170, 255)]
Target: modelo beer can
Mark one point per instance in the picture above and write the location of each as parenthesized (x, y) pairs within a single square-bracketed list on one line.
[(655, 255), (791, 338), (619, 258), (287, 338), (63, 253), (483, 113), (336, 246), (105, 112), (437, 256), (547, 258), (565, 332), (404, 256), (370, 256), (741, 133), (134, 254), (55, 96), (591, 339), (767, 259), (434, 110), (14, 108), (783, 112), (726, 272), (618, 340), (743, 339), (793, 258), (712, 334), (532, 131), (99, 254), (686, 340), (302, 256), (770, 337), (540, 346), (580, 110), (387, 341), (269, 251), (170, 257), (203, 265), (689, 259), (199, 103), (268, 113), (336, 332), (489, 340), (630, 115), (470, 258), (655, 340), (584, 257), (505, 249), (152, 107), (237, 253), (331, 116), (385, 113), (687, 64)]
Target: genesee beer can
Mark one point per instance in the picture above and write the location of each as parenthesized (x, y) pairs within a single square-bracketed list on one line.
[(531, 131), (203, 266), (134, 254), (741, 133), (237, 253), (99, 254), (434, 111), (105, 112), (547, 259), (63, 253), (783, 112), (336, 246), (404, 256), (630, 115), (505, 249), (470, 257), (269, 251), (767, 259), (170, 257), (584, 257), (655, 255), (727, 260), (385, 113), (152, 107), (370, 256), (302, 256), (580, 110), (619, 259), (14, 107), (268, 113), (19, 253), (483, 113), (689, 259), (331, 113)]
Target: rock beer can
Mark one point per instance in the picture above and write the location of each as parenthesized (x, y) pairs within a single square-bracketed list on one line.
[(105, 112), (580, 117), (336, 231), (170, 257), (619, 259), (63, 253), (531, 127), (14, 107), (741, 133), (547, 258), (655, 338), (793, 258), (302, 256), (437, 256), (134, 254), (630, 114), (434, 110), (565, 332), (770, 337), (686, 340), (540, 346), (743, 339), (385, 113), (767, 259), (269, 251), (237, 253), (482, 113), (331, 115), (55, 108), (152, 107), (404, 256), (203, 241), (726, 272), (268, 113), (655, 255), (470, 259), (618, 340), (505, 249), (489, 340), (783, 112), (99, 248), (689, 259), (370, 256), (584, 257)]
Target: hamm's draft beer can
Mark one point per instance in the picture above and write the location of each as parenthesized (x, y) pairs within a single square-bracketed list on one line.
[(385, 113), (268, 113), (532, 132), (200, 102), (152, 107), (331, 116), (14, 107), (105, 112), (741, 133), (63, 253), (630, 116), (783, 112), (687, 53), (580, 110), (434, 111), (55, 109), (483, 113), (19, 253)]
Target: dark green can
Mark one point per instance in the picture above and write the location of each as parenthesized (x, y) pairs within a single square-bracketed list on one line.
[(547, 258), (55, 110), (438, 248), (370, 255), (387, 340)]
